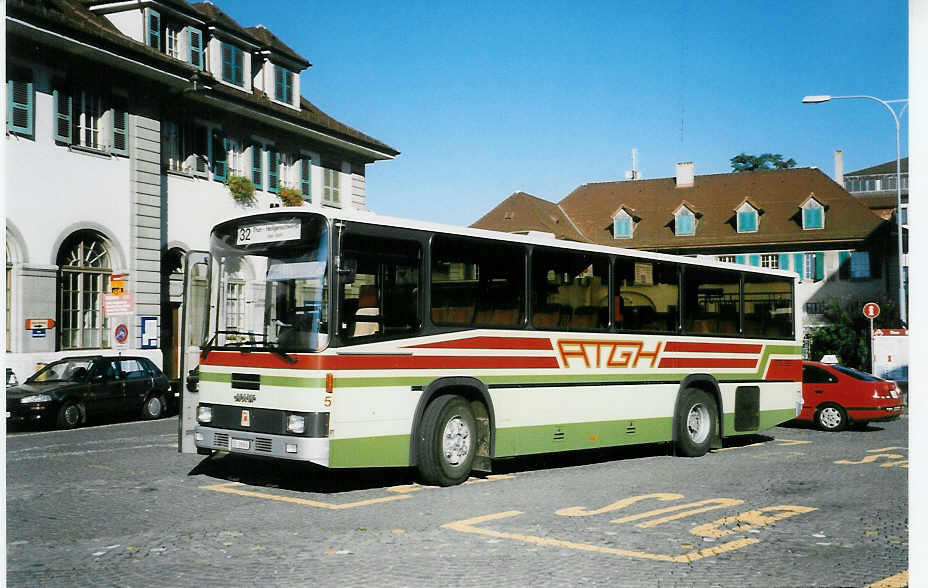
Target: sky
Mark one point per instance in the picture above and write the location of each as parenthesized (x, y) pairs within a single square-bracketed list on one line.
[(484, 99)]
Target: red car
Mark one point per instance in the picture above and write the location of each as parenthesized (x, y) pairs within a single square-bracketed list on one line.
[(834, 396)]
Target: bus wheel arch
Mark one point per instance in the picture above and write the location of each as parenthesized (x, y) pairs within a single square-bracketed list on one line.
[(697, 389), (481, 407)]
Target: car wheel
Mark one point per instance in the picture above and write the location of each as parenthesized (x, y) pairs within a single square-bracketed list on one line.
[(831, 417), (446, 441), (697, 423), (70, 415), (153, 407)]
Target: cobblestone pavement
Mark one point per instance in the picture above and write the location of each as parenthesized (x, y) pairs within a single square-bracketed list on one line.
[(116, 505)]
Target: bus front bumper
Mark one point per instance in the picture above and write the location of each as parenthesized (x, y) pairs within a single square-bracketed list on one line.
[(312, 449)]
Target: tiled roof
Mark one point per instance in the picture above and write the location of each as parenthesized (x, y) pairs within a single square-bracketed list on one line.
[(884, 168), (223, 21), (73, 18), (524, 212), (715, 196), (270, 41)]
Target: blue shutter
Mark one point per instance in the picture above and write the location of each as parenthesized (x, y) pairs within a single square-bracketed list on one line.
[(273, 169), (63, 103), (819, 265), (195, 42), (305, 169), (220, 149), (747, 221), (239, 66), (844, 265), (153, 26), (120, 139), (798, 265), (20, 107), (755, 260), (784, 261), (740, 258), (257, 167)]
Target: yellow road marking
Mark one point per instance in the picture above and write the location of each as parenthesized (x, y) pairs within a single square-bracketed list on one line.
[(885, 449), (785, 442), (749, 520), (407, 488), (233, 488), (713, 504), (870, 459), (898, 581), (467, 526), (579, 511)]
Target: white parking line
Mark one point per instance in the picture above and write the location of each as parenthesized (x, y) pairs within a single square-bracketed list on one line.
[(85, 452)]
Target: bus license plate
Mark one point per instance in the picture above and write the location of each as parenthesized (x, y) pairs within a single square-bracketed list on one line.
[(241, 444)]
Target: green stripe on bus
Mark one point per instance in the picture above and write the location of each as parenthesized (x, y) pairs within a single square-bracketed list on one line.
[(386, 451), (215, 377)]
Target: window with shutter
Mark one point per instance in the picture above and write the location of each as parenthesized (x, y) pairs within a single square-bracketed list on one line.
[(195, 43), (283, 87), (120, 139), (233, 64), (20, 101), (330, 185), (305, 170), (63, 116), (257, 167), (860, 265), (273, 171), (684, 223), (220, 155), (153, 19), (747, 221), (200, 154)]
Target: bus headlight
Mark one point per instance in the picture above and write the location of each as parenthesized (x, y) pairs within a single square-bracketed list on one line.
[(204, 414), (296, 423)]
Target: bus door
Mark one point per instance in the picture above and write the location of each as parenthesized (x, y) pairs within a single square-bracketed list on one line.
[(198, 277)]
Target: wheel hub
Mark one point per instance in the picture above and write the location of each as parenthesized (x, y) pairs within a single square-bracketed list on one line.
[(456, 441), (831, 418), (698, 423)]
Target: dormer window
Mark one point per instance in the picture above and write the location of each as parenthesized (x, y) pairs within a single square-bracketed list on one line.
[(153, 28), (233, 64), (813, 214), (746, 218), (684, 222), (622, 225), (283, 84)]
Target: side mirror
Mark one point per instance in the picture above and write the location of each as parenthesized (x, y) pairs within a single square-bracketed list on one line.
[(193, 379)]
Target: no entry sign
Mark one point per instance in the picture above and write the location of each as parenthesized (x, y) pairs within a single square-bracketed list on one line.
[(871, 310)]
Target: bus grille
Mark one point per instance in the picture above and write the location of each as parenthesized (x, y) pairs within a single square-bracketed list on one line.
[(262, 444), (221, 440)]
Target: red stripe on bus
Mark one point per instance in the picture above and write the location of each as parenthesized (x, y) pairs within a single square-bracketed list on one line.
[(683, 346), (706, 362), (785, 369), (376, 362), (534, 343)]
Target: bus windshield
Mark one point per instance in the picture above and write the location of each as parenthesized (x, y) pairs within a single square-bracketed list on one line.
[(271, 285)]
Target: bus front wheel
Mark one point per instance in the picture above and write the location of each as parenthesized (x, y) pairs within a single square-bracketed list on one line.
[(446, 441), (697, 423)]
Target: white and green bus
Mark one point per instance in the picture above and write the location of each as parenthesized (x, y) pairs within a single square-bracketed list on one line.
[(353, 340)]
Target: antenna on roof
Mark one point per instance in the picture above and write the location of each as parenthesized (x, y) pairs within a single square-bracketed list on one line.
[(633, 174)]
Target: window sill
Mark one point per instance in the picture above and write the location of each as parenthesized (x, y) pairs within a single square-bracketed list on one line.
[(190, 175), (104, 154), (332, 204)]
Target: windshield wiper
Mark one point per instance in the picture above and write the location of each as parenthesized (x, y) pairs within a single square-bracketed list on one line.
[(275, 349)]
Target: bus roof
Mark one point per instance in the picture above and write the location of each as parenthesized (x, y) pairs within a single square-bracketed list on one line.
[(533, 238)]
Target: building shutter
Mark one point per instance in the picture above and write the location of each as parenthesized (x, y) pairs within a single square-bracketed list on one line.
[(239, 66), (257, 170), (195, 42), (20, 101), (844, 265), (798, 265), (220, 151), (820, 265), (120, 140), (876, 269), (755, 260), (153, 20), (63, 109), (740, 259), (305, 167), (784, 261), (273, 169)]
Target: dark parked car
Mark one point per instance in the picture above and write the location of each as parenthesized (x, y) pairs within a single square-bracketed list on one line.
[(66, 392), (834, 396)]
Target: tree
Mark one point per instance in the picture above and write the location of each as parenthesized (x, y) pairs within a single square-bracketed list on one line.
[(744, 162), (847, 335)]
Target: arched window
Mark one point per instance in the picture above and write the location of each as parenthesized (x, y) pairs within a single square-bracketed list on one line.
[(85, 265)]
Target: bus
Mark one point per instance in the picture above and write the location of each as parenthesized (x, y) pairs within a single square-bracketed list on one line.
[(352, 340)]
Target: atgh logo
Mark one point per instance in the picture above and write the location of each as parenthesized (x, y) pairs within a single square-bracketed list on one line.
[(243, 397)]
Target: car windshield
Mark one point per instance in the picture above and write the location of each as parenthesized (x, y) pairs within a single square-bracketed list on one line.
[(856, 374), (64, 370)]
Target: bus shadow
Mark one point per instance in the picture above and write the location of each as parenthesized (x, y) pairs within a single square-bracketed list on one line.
[(855, 427), (298, 476)]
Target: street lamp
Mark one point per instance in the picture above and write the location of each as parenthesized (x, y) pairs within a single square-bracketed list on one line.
[(886, 103)]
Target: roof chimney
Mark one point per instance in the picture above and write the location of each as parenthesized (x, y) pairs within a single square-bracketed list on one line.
[(839, 167), (685, 174)]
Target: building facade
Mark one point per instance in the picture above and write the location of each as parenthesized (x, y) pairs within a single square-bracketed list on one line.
[(127, 123), (793, 219)]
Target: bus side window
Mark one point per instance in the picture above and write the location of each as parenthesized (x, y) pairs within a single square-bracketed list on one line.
[(646, 295), (712, 301), (768, 306)]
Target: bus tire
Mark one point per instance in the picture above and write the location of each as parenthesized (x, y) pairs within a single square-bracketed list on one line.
[(697, 423), (446, 441)]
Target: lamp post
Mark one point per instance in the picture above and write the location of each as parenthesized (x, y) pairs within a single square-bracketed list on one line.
[(818, 100)]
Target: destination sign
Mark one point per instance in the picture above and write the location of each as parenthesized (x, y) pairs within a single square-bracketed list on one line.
[(268, 232)]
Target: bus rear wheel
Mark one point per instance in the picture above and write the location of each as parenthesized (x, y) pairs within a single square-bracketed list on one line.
[(696, 424), (446, 441)]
